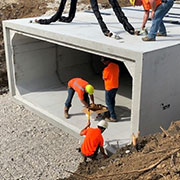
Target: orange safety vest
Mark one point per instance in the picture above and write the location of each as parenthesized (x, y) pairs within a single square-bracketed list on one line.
[(147, 5), (111, 76), (78, 85)]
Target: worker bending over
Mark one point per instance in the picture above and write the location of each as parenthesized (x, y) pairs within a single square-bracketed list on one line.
[(83, 88), (111, 83), (93, 140), (159, 10)]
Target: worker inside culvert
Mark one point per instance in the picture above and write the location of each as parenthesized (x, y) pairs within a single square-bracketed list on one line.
[(83, 89), (111, 84), (93, 140)]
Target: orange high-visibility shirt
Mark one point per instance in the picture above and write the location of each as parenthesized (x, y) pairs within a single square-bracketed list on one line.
[(78, 85), (92, 140), (147, 5), (111, 76)]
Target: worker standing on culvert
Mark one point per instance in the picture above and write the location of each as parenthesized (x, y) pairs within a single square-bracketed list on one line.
[(83, 88), (93, 140), (159, 9), (111, 83)]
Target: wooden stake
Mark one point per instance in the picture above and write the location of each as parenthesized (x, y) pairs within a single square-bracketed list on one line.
[(164, 131), (135, 138), (88, 115)]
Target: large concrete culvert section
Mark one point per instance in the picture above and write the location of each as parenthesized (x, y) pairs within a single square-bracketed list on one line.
[(43, 70), (41, 59)]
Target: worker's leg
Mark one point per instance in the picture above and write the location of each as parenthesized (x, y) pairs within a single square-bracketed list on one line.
[(68, 102), (110, 102), (69, 98), (95, 9), (72, 12), (114, 98), (121, 16), (93, 156), (55, 17), (162, 28), (160, 12), (86, 98)]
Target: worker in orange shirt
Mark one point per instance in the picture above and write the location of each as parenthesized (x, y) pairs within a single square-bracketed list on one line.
[(159, 8), (93, 140), (111, 83), (83, 88)]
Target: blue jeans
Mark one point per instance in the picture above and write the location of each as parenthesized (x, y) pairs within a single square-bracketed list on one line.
[(70, 96), (110, 101), (157, 22)]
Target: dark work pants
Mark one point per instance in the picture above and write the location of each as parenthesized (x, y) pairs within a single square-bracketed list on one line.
[(70, 97), (93, 156), (110, 101)]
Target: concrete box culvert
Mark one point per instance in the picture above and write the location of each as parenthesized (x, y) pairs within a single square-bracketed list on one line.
[(41, 59)]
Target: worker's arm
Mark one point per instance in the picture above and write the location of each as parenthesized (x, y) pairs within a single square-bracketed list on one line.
[(103, 152), (85, 103), (92, 98), (153, 7), (145, 18), (87, 126)]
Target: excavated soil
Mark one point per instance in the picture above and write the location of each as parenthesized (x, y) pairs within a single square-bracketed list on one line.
[(156, 157)]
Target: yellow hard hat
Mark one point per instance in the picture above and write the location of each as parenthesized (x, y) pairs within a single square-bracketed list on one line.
[(89, 89), (132, 2)]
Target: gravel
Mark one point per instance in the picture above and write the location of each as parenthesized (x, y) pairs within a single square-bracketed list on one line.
[(31, 148)]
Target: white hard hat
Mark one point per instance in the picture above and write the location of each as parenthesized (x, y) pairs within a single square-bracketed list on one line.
[(103, 124)]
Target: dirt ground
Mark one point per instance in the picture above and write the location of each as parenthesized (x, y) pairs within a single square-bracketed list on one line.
[(155, 157)]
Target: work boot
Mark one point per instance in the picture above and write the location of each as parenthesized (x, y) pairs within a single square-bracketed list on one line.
[(111, 119), (66, 115), (148, 39), (160, 34)]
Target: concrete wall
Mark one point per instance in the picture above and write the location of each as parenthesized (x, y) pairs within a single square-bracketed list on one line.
[(160, 89), (34, 63), (73, 63)]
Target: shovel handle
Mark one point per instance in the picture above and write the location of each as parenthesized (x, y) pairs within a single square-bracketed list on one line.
[(88, 115)]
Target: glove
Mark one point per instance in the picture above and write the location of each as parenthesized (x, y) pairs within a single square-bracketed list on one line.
[(143, 31)]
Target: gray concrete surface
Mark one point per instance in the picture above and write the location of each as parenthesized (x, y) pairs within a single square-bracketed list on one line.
[(40, 60), (31, 148)]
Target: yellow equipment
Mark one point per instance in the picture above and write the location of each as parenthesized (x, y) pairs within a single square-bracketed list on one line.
[(132, 2)]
